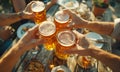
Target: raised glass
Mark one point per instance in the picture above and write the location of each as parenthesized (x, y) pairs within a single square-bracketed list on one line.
[(65, 41), (47, 31), (38, 9), (61, 19)]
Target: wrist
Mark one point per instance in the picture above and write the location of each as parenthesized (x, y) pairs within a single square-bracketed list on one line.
[(20, 15), (87, 23), (20, 46), (93, 50)]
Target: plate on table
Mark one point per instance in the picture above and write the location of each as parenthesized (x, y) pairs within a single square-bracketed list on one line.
[(60, 68), (97, 38), (68, 4), (23, 28)]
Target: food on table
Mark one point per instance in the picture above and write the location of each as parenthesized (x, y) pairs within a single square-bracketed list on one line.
[(34, 66), (60, 71), (69, 4), (25, 29)]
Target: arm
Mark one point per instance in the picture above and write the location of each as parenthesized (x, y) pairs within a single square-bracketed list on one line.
[(111, 60), (8, 61), (8, 19), (28, 41), (19, 5), (100, 27), (50, 4), (96, 26)]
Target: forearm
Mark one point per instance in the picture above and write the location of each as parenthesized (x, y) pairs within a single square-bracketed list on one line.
[(49, 4), (19, 5), (101, 27), (8, 61), (107, 58), (8, 19)]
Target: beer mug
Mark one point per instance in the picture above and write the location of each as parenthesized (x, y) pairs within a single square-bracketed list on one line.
[(61, 19), (38, 9), (47, 31), (85, 62), (65, 40)]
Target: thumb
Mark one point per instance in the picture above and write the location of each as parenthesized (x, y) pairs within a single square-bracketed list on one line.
[(38, 42)]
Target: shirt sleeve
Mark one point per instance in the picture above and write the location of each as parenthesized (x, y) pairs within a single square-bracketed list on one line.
[(116, 31)]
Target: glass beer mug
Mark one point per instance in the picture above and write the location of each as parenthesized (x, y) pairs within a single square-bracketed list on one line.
[(47, 31), (65, 41), (61, 19), (38, 9), (85, 61)]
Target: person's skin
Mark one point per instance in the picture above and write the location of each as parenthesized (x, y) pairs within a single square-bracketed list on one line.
[(86, 48), (96, 26), (27, 42), (6, 19), (19, 5), (6, 32), (23, 12), (50, 4), (10, 18)]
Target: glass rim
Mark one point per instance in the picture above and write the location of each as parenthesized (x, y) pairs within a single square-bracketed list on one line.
[(72, 35), (41, 6), (63, 14), (47, 23)]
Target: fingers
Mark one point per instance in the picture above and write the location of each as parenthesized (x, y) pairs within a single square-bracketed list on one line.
[(32, 2), (33, 29), (31, 32), (40, 41), (79, 50), (69, 12), (9, 29), (79, 35), (35, 43), (28, 7)]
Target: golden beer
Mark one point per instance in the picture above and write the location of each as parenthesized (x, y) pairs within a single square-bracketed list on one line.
[(84, 61), (38, 9), (47, 31), (66, 40), (61, 19)]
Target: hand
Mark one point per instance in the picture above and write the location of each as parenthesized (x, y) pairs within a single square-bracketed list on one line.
[(6, 32), (82, 40), (77, 21), (83, 45), (27, 12), (29, 39)]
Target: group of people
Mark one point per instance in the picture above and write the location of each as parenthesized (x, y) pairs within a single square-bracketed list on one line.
[(86, 48)]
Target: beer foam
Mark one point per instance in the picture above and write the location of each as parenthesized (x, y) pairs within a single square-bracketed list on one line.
[(47, 28), (38, 6), (66, 38), (61, 17)]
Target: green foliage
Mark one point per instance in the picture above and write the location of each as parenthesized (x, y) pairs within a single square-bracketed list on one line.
[(101, 3)]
